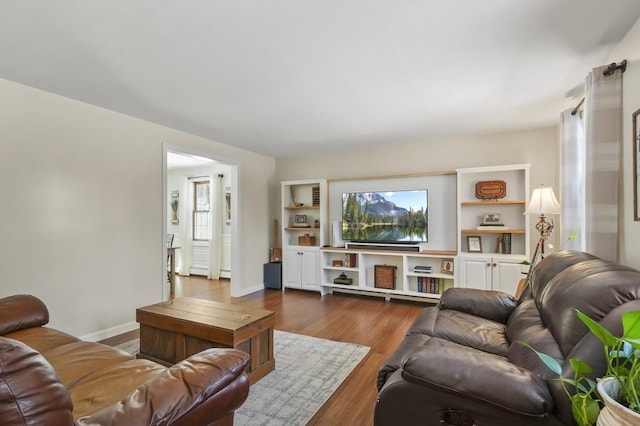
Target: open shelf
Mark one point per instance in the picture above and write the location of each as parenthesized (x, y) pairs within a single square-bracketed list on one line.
[(493, 203), (493, 231)]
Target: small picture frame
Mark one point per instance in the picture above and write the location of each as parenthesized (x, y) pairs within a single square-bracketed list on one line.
[(492, 219), (301, 219), (446, 266), (474, 244)]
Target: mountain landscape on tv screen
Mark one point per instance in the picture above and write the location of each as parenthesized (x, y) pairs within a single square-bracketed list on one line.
[(372, 216)]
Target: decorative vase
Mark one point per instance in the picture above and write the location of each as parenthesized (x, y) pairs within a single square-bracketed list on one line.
[(614, 413)]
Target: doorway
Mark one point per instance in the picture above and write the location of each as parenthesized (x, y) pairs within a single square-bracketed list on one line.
[(199, 194)]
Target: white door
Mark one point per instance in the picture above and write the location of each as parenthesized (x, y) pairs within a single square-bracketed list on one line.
[(310, 268), (506, 275), (291, 268), (476, 273)]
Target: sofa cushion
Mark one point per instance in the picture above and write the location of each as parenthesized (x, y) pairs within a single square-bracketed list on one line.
[(463, 328), (489, 304), (42, 339), (525, 325), (74, 361), (457, 369), (109, 385), (30, 393), (594, 287)]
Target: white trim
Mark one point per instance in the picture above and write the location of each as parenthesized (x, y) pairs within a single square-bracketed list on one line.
[(110, 332)]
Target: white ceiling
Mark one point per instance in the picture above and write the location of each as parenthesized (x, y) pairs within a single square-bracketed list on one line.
[(291, 78)]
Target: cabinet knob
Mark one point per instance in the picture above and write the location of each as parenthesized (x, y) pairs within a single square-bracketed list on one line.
[(488, 264), (494, 265)]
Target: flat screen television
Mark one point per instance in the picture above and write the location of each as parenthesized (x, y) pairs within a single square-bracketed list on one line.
[(398, 217)]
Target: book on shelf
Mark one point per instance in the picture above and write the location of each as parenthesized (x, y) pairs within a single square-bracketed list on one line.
[(506, 243), (351, 260), (422, 269), (430, 285)]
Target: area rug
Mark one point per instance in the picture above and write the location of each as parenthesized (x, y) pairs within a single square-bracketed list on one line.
[(308, 371)]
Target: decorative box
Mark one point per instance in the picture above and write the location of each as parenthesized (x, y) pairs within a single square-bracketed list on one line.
[(306, 240), (385, 276), (343, 279)]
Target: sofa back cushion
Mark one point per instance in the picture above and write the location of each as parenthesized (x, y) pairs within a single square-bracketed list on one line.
[(30, 393), (594, 287), (21, 311)]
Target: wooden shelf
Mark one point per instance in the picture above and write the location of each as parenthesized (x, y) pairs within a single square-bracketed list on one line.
[(301, 207), (493, 203), (493, 231), (301, 228)]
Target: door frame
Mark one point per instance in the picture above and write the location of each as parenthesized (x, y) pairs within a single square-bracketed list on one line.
[(235, 209)]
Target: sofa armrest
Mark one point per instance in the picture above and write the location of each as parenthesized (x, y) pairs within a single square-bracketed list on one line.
[(490, 304), (469, 373), (21, 311), (197, 391), (30, 392)]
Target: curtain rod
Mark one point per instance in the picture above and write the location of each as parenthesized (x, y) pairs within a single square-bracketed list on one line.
[(205, 176), (613, 67), (608, 72), (577, 108)]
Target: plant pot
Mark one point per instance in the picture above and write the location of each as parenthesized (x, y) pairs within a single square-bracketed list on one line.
[(614, 413)]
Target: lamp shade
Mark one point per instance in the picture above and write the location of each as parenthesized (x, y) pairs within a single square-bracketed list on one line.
[(543, 202)]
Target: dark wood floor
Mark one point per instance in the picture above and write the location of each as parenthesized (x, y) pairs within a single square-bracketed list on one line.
[(367, 321)]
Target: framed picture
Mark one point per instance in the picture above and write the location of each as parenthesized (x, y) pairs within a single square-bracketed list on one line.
[(474, 244), (175, 201), (227, 206), (492, 219), (636, 165), (301, 219), (446, 266)]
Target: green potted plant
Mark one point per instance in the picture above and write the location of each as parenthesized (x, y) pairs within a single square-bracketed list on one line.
[(615, 397)]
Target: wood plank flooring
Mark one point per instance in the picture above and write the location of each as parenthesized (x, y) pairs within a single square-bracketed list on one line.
[(367, 321)]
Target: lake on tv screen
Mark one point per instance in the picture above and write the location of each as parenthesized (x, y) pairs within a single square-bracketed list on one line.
[(385, 216)]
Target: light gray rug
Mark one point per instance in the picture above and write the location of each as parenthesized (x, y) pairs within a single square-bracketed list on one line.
[(308, 371)]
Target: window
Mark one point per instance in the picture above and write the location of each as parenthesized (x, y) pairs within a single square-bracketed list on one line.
[(201, 205)]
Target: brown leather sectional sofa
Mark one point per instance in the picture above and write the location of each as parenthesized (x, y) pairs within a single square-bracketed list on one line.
[(51, 378), (460, 362)]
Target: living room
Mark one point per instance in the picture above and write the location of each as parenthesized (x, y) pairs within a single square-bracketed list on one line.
[(82, 190)]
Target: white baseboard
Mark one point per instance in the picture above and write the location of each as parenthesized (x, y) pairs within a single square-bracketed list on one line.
[(249, 290), (110, 332)]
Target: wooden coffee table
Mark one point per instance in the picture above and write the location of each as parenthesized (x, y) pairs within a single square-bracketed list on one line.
[(172, 331)]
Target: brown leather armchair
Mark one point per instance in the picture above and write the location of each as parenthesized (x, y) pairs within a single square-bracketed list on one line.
[(460, 362), (48, 377)]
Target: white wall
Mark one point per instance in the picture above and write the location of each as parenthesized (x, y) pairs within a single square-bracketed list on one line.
[(629, 49), (536, 147), (81, 209)]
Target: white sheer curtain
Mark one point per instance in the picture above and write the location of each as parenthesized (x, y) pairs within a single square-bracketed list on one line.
[(572, 174), (185, 243), (216, 216), (603, 131)]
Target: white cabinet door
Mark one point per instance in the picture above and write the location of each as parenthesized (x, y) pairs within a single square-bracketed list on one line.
[(506, 275), (475, 273), (310, 268), (491, 273), (301, 268), (291, 268)]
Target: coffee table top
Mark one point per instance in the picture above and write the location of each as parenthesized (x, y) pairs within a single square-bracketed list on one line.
[(201, 312)]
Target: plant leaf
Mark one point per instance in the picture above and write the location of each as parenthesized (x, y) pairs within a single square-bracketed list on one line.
[(550, 362), (585, 409), (580, 367), (631, 325), (573, 236), (599, 331)]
